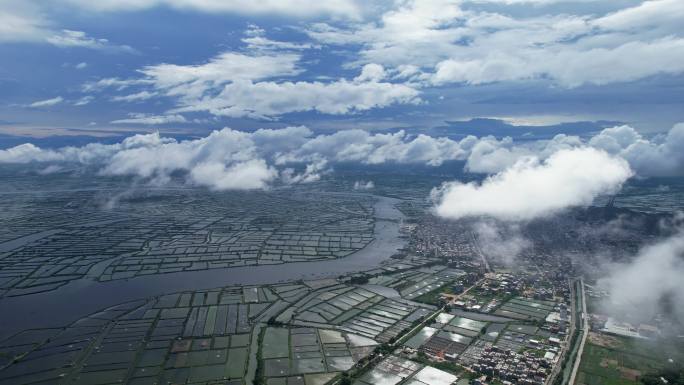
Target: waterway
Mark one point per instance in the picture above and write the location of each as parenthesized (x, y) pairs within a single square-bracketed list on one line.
[(79, 298)]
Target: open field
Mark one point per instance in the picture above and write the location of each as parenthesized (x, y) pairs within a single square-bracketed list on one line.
[(614, 360)]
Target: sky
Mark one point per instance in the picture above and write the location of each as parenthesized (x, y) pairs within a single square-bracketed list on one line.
[(188, 67)]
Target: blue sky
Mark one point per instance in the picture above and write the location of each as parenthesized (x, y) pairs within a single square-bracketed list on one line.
[(187, 67)]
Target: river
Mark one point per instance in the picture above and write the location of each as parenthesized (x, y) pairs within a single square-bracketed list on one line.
[(79, 298)]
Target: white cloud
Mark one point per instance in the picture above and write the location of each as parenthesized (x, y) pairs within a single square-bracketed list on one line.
[(47, 102), (490, 155), (238, 85), (360, 146), (638, 289), (71, 38), (659, 156), (147, 119), (615, 139), (270, 99), (414, 32), (530, 2), (256, 40), (510, 161), (311, 173), (647, 158), (115, 83), (51, 169), (224, 68), (81, 65), (84, 100), (569, 67), (27, 152), (22, 21), (444, 42), (248, 175), (664, 15), (264, 43), (225, 159), (363, 185), (138, 96), (532, 188), (501, 241), (25, 21), (371, 73), (297, 8)]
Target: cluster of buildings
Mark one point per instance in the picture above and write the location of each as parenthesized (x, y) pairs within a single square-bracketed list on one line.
[(512, 367)]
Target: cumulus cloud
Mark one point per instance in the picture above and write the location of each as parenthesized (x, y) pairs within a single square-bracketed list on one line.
[(371, 72), (490, 155), (570, 67), (283, 146), (650, 284), (265, 100), (225, 159), (243, 85), (445, 42), (360, 146), (656, 157), (532, 188), (250, 174), (508, 161), (312, 173), (27, 152), (224, 68)]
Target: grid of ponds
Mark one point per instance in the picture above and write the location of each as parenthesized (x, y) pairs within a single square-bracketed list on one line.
[(189, 337), (53, 237)]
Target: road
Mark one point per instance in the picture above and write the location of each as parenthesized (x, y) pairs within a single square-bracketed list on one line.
[(585, 333), (568, 350)]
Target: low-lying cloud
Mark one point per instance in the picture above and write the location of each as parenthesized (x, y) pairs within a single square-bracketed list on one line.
[(660, 155), (534, 188), (225, 159), (502, 242), (651, 284), (153, 156), (363, 185)]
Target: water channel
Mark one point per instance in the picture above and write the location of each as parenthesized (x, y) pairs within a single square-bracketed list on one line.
[(79, 298)]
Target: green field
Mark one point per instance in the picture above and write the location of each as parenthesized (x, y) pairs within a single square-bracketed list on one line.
[(612, 360)]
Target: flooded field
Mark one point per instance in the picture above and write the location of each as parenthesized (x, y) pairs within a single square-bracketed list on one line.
[(86, 295)]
